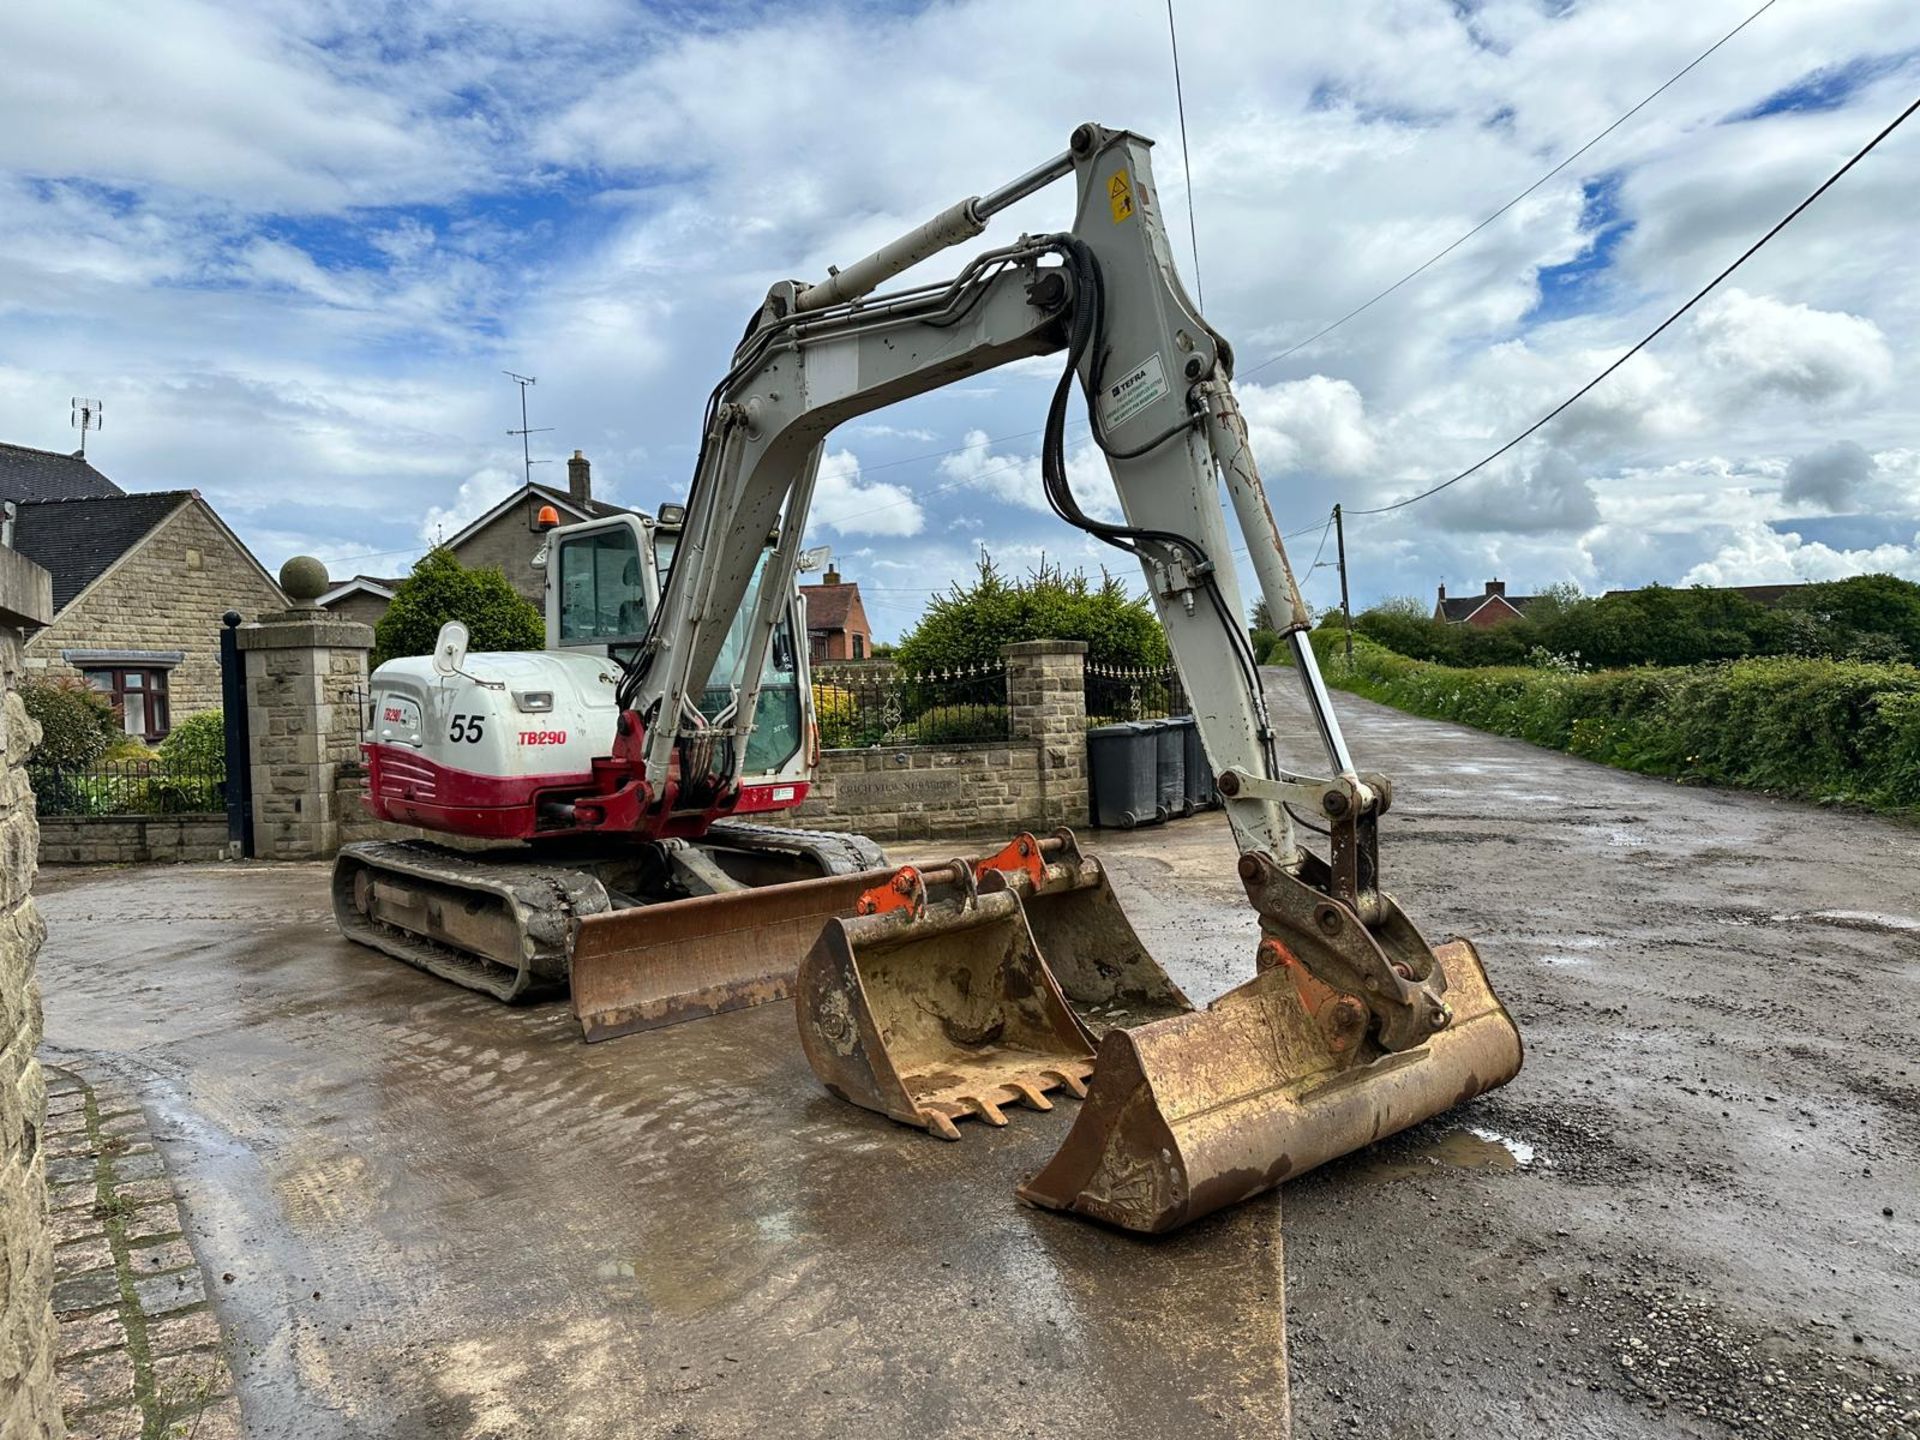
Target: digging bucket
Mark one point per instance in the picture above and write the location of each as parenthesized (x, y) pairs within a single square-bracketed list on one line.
[(683, 959), (934, 1011), (1082, 933), (1189, 1115)]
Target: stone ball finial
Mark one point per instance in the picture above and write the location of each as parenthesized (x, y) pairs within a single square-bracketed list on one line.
[(304, 579)]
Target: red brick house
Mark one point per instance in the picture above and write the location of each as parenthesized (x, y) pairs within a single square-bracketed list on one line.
[(1493, 607), (837, 626)]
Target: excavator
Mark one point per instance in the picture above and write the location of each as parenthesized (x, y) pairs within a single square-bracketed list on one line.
[(618, 775)]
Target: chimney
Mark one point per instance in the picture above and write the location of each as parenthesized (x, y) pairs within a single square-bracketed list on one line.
[(832, 577), (1496, 587), (579, 480), (1443, 594)]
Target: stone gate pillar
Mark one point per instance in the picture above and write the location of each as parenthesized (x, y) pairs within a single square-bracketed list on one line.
[(306, 674), (1047, 702)]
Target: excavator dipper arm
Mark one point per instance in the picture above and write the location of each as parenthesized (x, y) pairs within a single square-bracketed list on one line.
[(1156, 378)]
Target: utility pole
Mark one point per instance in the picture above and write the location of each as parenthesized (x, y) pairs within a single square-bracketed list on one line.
[(1340, 548), (527, 462)]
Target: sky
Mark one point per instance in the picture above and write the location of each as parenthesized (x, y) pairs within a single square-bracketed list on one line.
[(292, 245)]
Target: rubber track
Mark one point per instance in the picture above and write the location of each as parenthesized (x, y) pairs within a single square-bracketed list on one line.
[(549, 897)]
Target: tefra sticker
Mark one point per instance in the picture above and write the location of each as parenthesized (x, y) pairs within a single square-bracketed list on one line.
[(1120, 196), (1126, 397)]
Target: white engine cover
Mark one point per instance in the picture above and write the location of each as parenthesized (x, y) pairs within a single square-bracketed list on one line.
[(542, 712)]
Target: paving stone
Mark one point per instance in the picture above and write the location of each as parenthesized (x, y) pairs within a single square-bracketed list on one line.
[(64, 1147), (160, 1293), (70, 1170), (192, 1330), (66, 1104), (219, 1421), (86, 1292), (145, 1166), (152, 1222), (93, 1253), (105, 1379), (79, 1223), (59, 1082), (192, 1378), (73, 1195), (159, 1258), (131, 1122), (108, 1425), (73, 1122), (100, 1331), (144, 1192)]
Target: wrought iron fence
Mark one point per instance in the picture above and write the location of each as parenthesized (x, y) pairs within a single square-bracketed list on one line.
[(876, 704), (1134, 692), (130, 787)]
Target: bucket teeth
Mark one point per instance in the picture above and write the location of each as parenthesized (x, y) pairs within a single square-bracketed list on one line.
[(939, 1012)]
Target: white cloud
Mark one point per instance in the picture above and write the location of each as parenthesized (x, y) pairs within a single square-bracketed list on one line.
[(1758, 555), (478, 493), (1016, 479), (847, 505), (1312, 424), (1830, 477), (1768, 347)]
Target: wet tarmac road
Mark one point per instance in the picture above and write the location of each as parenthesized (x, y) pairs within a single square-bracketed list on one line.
[(447, 1218)]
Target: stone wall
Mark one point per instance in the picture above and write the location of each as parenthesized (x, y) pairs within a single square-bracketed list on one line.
[(131, 839), (29, 1404), (167, 594)]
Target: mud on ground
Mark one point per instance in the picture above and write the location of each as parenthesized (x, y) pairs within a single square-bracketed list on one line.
[(446, 1218)]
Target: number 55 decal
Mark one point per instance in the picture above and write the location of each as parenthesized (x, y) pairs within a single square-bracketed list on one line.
[(467, 727)]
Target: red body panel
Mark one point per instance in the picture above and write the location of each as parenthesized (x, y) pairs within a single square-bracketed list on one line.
[(407, 788)]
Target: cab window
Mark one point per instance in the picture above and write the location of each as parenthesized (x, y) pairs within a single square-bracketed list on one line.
[(602, 595)]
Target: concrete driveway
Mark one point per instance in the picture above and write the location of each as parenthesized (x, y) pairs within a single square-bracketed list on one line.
[(444, 1217)]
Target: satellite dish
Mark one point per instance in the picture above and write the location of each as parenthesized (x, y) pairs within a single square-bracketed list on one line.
[(811, 560), (450, 649)]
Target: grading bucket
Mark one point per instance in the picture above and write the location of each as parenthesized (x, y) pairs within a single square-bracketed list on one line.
[(934, 1011), (1192, 1114)]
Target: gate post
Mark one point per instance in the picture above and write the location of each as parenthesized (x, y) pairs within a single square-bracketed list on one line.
[(1047, 703), (305, 672), (239, 759)]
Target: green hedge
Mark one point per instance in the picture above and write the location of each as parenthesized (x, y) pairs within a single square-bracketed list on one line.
[(1824, 730)]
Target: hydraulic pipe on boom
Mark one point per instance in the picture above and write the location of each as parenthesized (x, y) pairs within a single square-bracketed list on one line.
[(1354, 1026)]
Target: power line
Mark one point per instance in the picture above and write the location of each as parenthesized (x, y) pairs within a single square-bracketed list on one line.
[(1186, 163), (1654, 333), (1442, 254)]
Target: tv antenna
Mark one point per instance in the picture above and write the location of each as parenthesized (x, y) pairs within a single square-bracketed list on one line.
[(527, 461), (86, 416)]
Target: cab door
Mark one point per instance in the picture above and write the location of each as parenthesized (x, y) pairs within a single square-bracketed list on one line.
[(602, 588)]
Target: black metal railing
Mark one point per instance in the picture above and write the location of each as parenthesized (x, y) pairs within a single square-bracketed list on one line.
[(130, 787), (881, 704), (1134, 692)]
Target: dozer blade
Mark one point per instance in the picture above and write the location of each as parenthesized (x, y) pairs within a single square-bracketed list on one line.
[(1188, 1115), (682, 959), (933, 1012), (1081, 932)]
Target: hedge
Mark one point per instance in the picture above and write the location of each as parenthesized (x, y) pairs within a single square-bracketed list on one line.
[(1825, 730)]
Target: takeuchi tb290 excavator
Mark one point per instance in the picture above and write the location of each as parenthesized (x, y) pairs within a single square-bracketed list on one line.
[(672, 705)]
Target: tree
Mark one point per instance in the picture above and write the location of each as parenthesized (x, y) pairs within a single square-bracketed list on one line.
[(1860, 615), (969, 624), (442, 589)]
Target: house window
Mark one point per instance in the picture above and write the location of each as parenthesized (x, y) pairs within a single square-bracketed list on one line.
[(859, 647), (139, 695)]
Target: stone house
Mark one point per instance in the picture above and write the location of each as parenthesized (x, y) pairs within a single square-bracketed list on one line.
[(140, 583), (837, 626), (1492, 607), (363, 598)]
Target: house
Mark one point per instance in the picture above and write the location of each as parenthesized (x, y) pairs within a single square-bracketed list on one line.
[(140, 584), (1492, 607), (837, 626), (507, 537)]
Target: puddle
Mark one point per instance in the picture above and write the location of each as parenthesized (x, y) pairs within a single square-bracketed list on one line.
[(1566, 959), (1470, 1149)]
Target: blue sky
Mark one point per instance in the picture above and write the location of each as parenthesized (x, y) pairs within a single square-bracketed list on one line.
[(292, 244)]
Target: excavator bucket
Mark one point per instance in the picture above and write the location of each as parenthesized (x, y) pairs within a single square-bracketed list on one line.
[(934, 1011), (655, 965), (1088, 943), (1191, 1114)]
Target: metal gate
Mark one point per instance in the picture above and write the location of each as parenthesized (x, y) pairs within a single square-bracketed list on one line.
[(233, 706)]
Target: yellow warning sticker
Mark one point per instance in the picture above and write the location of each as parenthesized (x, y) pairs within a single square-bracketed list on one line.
[(1120, 196)]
